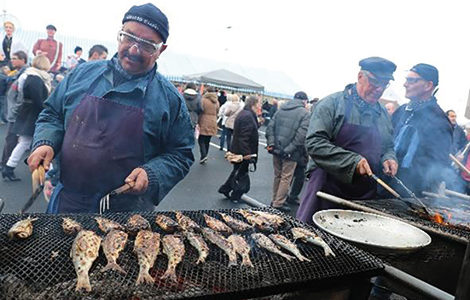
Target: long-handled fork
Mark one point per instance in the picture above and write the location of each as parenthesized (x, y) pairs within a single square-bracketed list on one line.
[(104, 202)]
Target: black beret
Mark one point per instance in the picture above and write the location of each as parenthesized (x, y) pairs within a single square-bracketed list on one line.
[(427, 72), (51, 27), (380, 67), (301, 96), (149, 15)]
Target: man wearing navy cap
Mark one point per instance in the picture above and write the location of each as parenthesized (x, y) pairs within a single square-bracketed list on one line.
[(423, 133), (51, 48), (117, 123), (349, 138)]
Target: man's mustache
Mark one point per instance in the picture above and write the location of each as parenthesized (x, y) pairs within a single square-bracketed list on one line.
[(134, 58)]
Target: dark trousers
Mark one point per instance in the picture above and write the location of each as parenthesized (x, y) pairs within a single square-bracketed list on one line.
[(297, 181), (11, 139), (203, 142), (238, 182), (3, 108), (226, 135)]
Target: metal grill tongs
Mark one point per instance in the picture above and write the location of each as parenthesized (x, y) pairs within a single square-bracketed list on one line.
[(410, 192), (104, 202)]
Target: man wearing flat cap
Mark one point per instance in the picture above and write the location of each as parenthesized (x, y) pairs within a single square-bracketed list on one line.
[(423, 133), (117, 123), (285, 137), (349, 138), (51, 48)]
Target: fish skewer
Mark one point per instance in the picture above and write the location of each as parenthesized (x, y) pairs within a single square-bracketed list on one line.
[(264, 242), (186, 223), (137, 223), (113, 244), (173, 247), (285, 243), (198, 242), (242, 248), (222, 243), (107, 225), (85, 250), (310, 237), (259, 222), (22, 229), (146, 247)]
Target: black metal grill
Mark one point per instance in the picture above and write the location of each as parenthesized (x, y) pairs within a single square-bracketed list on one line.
[(40, 267)]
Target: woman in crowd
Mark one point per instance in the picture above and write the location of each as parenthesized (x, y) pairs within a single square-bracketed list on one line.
[(34, 85), (231, 111), (207, 122), (245, 143)]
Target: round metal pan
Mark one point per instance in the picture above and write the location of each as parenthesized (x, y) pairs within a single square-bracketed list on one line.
[(371, 230)]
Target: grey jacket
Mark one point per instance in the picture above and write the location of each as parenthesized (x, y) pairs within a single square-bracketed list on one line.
[(325, 124), (286, 131)]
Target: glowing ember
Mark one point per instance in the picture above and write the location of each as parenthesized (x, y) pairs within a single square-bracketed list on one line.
[(438, 218)]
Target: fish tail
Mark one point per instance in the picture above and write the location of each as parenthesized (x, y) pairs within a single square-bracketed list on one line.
[(232, 260), (201, 259), (113, 266), (144, 277), (83, 282), (170, 274), (302, 258), (286, 256), (246, 261)]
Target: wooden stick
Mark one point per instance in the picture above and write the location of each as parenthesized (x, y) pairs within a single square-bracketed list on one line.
[(459, 164), (386, 186)]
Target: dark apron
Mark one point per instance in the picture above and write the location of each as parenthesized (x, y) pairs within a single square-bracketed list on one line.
[(360, 139), (102, 144)]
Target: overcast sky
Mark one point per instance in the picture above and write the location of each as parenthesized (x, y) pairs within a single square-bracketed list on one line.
[(317, 43)]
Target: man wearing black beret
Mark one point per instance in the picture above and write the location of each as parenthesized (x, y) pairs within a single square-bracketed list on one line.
[(117, 123), (349, 138), (423, 133)]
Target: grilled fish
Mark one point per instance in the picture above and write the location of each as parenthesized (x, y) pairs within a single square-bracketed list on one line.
[(166, 223), (236, 224), (173, 247), (198, 242), (241, 247), (264, 242), (113, 244), (258, 221), (285, 243), (85, 249), (146, 247), (70, 226), (186, 223), (137, 223), (217, 225), (107, 225), (274, 219), (22, 229), (310, 237), (222, 243)]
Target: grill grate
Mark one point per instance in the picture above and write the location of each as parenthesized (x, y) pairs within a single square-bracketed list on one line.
[(39, 267), (396, 208)]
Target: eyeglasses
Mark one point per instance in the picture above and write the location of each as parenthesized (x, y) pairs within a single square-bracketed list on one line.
[(377, 83), (413, 79), (143, 45)]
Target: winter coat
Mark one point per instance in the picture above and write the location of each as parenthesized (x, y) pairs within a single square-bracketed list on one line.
[(35, 90), (245, 133), (194, 105), (231, 112), (208, 118), (287, 130)]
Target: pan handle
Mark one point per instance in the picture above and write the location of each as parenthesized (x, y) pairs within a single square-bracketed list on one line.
[(2, 204)]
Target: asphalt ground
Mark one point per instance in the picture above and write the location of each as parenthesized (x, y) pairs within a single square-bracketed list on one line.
[(197, 191)]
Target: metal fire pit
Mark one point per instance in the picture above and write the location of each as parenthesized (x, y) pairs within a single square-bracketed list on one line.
[(40, 267)]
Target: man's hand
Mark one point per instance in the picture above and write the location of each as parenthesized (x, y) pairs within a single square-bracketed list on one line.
[(43, 154), (390, 167), (270, 149), (139, 176), (363, 167)]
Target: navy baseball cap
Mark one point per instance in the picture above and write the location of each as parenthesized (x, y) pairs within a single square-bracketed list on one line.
[(427, 72), (381, 68)]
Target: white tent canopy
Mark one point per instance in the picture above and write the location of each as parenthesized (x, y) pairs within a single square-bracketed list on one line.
[(225, 78)]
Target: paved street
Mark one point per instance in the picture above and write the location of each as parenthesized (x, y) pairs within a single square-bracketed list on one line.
[(197, 191)]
